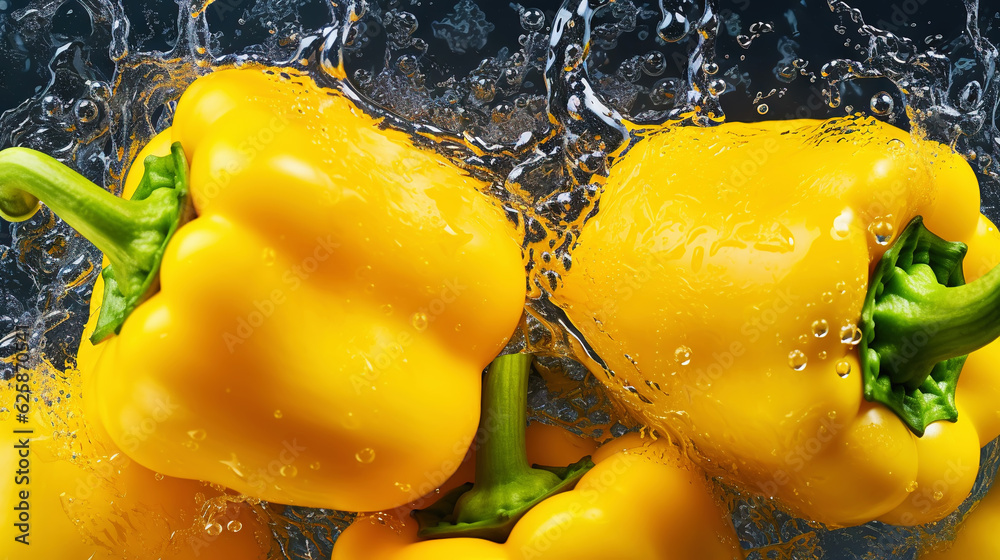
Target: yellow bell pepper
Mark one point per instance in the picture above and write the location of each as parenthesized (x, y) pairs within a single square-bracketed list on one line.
[(641, 501), (70, 494), (724, 285), (331, 282), (976, 536)]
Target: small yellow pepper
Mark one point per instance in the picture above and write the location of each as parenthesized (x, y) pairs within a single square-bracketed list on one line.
[(70, 494), (321, 321), (723, 284), (640, 502)]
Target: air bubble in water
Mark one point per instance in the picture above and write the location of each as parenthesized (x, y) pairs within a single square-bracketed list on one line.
[(762, 108), (881, 103), (86, 110), (717, 87), (797, 360), (654, 63), (532, 19), (665, 92), (710, 68), (407, 64), (51, 106), (214, 529), (234, 526), (673, 27)]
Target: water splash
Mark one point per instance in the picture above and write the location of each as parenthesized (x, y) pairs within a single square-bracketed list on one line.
[(541, 110)]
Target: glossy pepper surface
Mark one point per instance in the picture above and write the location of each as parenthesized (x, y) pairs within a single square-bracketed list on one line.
[(640, 501), (86, 500), (723, 283), (976, 536), (332, 282)]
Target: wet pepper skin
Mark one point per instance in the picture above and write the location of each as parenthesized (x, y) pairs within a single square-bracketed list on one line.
[(335, 281), (720, 254), (641, 502), (976, 536), (88, 501)]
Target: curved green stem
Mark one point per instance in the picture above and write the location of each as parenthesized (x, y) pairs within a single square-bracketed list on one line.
[(937, 323), (116, 226), (132, 234), (506, 485), (504, 479), (919, 322)]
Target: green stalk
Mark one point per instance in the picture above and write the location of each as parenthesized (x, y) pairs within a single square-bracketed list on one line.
[(132, 234), (919, 322), (506, 486)]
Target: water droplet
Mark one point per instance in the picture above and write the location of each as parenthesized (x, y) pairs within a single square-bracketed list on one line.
[(826, 297), (882, 229), (820, 328), (278, 414), (51, 106), (214, 529), (717, 87), (86, 110), (268, 256), (797, 360), (683, 355), (366, 455), (744, 41), (419, 321), (404, 487), (710, 68), (938, 496), (197, 435), (315, 465), (843, 368), (832, 415), (912, 486), (842, 287), (288, 471), (881, 103), (850, 334), (762, 108), (234, 526), (822, 354), (158, 476)]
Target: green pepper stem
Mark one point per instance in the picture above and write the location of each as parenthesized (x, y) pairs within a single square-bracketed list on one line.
[(504, 479), (121, 229), (955, 321), (503, 457)]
